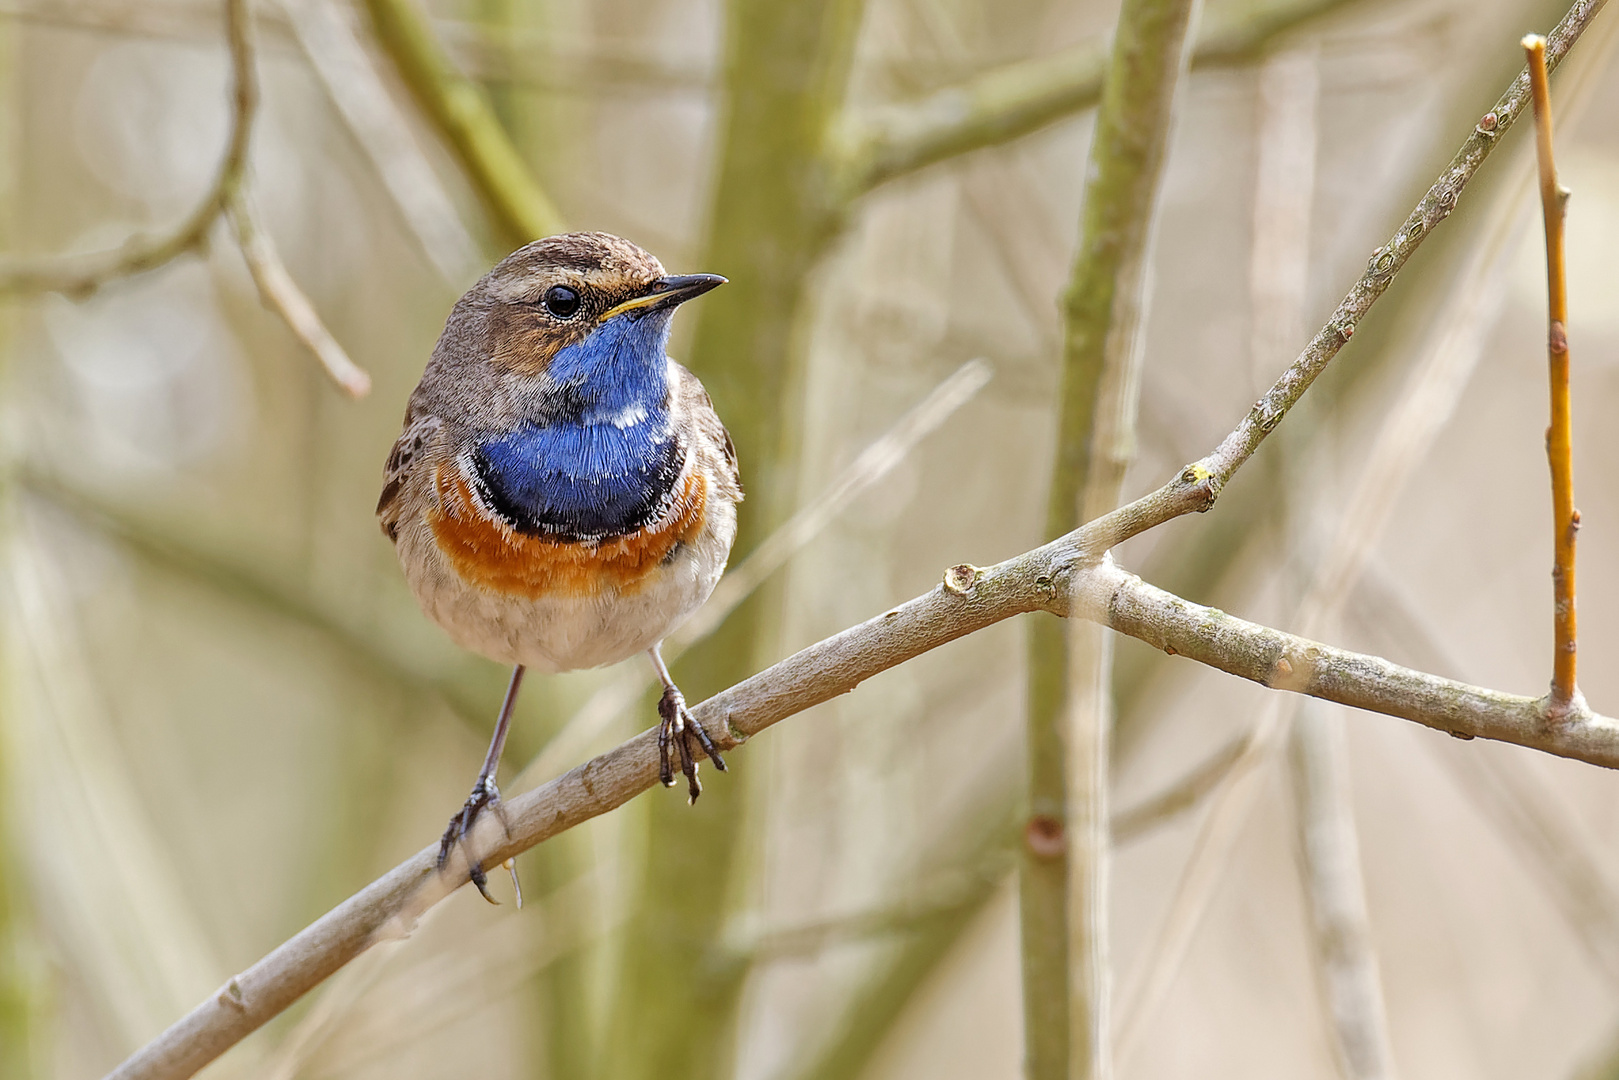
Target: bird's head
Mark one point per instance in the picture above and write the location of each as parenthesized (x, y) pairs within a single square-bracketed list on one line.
[(580, 306)]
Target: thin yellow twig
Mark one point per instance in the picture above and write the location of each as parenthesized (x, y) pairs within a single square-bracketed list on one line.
[(1559, 436)]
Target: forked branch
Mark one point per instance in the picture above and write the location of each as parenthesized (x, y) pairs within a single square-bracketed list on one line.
[(1055, 578)]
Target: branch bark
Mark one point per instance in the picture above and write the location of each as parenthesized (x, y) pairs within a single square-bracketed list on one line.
[(1056, 577)]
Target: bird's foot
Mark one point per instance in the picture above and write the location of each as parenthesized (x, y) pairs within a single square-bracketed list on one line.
[(485, 796), (680, 727)]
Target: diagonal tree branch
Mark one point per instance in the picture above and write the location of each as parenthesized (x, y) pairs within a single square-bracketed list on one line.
[(1055, 578), (1202, 480), (881, 144), (281, 293)]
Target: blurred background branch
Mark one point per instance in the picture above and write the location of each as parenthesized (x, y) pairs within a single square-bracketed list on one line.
[(518, 207), (81, 275), (78, 276), (282, 295), (1064, 897), (880, 144)]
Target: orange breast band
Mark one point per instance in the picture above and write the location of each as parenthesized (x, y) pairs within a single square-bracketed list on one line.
[(487, 552)]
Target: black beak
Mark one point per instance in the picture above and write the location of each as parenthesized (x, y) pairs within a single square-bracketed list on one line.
[(680, 288), (666, 292)]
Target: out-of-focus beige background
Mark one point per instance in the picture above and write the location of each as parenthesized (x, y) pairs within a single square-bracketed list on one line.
[(223, 713)]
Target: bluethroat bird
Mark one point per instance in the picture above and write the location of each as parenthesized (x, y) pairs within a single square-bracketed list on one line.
[(563, 495)]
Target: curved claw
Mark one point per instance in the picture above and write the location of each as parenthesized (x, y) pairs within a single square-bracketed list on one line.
[(485, 796), (680, 726)]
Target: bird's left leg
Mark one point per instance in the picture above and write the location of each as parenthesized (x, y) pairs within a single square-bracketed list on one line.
[(485, 796), (677, 726)]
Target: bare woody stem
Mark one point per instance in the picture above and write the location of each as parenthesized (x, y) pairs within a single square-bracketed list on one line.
[(1103, 311), (1559, 436)]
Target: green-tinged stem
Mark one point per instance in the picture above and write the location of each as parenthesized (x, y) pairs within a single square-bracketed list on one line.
[(463, 116), (21, 958), (1064, 915), (20, 955), (1010, 102), (769, 222), (1043, 862), (19, 989)]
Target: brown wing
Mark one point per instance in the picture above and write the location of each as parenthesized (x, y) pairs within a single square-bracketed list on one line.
[(406, 452), (716, 440)]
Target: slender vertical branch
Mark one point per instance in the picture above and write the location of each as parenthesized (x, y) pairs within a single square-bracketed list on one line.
[(518, 206), (1559, 437), (1063, 874), (1329, 848), (770, 219)]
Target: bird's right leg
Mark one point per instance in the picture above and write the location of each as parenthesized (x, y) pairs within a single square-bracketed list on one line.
[(676, 727), (485, 796)]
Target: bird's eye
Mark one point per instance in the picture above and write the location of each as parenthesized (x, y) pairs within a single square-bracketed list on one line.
[(561, 301)]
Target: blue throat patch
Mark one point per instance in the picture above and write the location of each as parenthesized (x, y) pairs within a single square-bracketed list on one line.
[(604, 468)]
